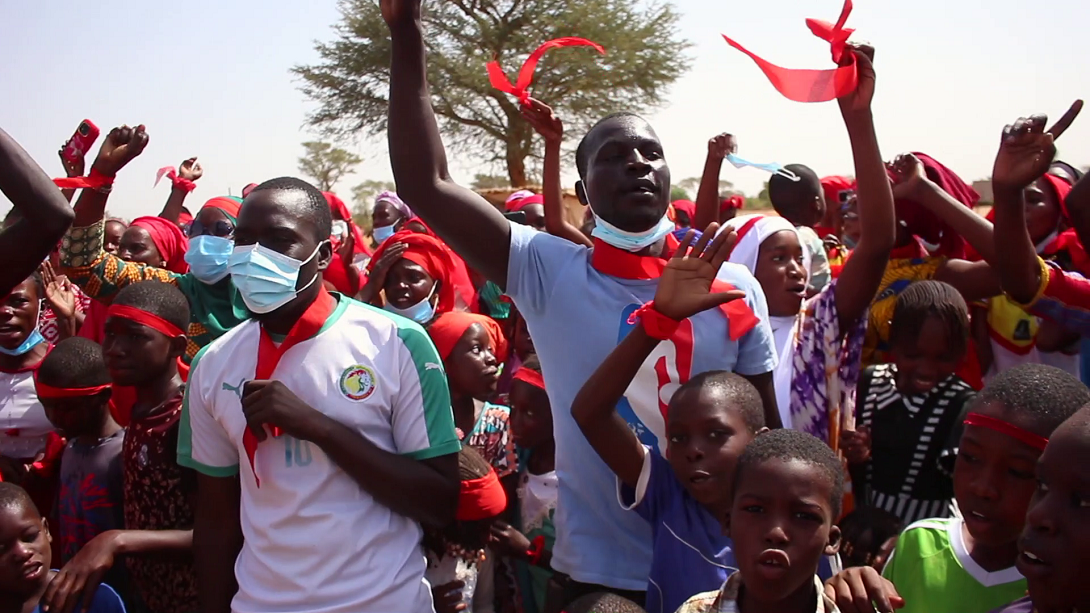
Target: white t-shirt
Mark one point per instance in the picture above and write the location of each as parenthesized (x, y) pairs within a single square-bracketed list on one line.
[(576, 316), (23, 424), (314, 540)]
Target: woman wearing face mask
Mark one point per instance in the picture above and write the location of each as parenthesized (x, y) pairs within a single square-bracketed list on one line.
[(214, 303), (420, 277), (350, 251), (389, 214)]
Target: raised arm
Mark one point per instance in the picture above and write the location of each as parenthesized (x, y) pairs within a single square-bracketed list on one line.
[(462, 218), (189, 171), (45, 214), (707, 196), (549, 126), (683, 291), (1025, 153), (862, 273)]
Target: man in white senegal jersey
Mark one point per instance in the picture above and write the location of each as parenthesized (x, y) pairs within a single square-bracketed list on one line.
[(321, 431)]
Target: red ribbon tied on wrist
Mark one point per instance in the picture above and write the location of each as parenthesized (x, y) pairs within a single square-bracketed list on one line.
[(94, 180), (500, 81), (172, 174), (804, 85)]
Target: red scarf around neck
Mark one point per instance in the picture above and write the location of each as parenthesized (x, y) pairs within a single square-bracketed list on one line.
[(615, 262), (268, 356)]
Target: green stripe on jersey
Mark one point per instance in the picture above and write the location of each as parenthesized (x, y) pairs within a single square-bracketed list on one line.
[(185, 433)]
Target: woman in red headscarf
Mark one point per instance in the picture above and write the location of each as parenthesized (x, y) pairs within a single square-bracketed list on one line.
[(156, 242), (420, 276), (350, 250)]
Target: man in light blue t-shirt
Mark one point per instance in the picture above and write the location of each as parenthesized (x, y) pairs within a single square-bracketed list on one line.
[(577, 303)]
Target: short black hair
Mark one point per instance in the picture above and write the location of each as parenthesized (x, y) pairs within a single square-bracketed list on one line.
[(603, 602), (739, 392), (532, 363), (791, 197), (863, 532), (924, 299), (787, 445), (581, 152), (1038, 397), (15, 498), (315, 205), (73, 363), (158, 298)]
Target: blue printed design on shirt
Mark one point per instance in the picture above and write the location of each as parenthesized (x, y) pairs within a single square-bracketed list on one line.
[(624, 409)]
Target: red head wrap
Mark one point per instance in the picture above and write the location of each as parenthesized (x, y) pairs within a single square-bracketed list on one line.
[(517, 204), (340, 211), (835, 188), (168, 239), (924, 224), (685, 206), (482, 498), (735, 202), (440, 262), (228, 204), (448, 329), (529, 376)]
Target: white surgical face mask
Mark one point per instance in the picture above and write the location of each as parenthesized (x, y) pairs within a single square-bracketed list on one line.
[(265, 278), (630, 241), (421, 312)]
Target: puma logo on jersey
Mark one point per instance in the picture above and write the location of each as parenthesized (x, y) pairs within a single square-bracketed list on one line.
[(433, 366), (236, 389)]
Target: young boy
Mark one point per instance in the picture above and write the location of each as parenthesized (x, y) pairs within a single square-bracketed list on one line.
[(967, 564), (1055, 543), (144, 340), (74, 387), (26, 558), (684, 493), (802, 202), (786, 495)]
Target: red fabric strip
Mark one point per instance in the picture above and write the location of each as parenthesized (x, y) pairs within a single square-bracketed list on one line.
[(268, 356), (145, 318), (615, 262), (1011, 430), (48, 391), (93, 180), (481, 498), (532, 377), (500, 81), (805, 85), (177, 181)]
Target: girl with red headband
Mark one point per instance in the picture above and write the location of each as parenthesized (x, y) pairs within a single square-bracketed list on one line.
[(420, 277), (458, 567)]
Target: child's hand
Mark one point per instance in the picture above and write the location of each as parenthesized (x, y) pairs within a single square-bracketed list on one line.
[(76, 583), (855, 589), (58, 292), (856, 445), (508, 541), (121, 146), (544, 121), (1027, 149), (448, 597), (685, 286), (720, 146)]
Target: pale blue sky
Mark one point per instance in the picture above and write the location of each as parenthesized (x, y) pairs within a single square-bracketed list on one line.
[(210, 78)]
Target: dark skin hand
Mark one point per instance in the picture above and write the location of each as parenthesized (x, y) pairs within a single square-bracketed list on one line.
[(71, 169), (217, 541), (707, 195), (372, 290), (510, 542), (62, 301), (462, 218), (854, 589), (549, 126), (684, 290), (46, 215), (189, 169), (448, 597), (122, 145), (1025, 153)]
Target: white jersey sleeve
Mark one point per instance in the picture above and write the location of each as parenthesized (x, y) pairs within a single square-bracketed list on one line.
[(203, 444), (422, 419)]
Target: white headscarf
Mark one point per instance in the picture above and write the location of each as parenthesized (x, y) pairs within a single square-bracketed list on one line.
[(754, 230)]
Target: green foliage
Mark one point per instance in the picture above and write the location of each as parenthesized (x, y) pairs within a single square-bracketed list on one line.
[(483, 181), (326, 164), (677, 193), (692, 185), (644, 56), (759, 202)]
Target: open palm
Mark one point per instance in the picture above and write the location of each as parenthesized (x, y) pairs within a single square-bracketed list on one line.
[(685, 287)]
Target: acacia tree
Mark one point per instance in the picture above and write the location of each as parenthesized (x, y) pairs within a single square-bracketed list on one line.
[(644, 56), (326, 164)]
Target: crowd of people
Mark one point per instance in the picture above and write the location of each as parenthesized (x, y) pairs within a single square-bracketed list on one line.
[(871, 398)]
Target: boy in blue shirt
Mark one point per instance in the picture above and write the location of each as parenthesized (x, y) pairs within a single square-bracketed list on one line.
[(686, 495)]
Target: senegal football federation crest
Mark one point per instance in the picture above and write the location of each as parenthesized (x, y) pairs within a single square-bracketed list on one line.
[(357, 382)]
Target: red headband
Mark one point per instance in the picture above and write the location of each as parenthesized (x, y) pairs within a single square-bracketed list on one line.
[(143, 317), (500, 81), (1011, 430), (48, 391), (481, 498), (815, 85), (532, 377)]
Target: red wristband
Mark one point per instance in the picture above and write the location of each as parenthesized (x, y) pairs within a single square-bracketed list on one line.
[(655, 324), (537, 548), (94, 180), (175, 180)]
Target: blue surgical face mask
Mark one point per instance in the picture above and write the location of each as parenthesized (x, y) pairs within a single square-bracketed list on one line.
[(421, 312), (265, 278), (31, 341), (207, 257), (773, 168), (631, 241), (381, 233)]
